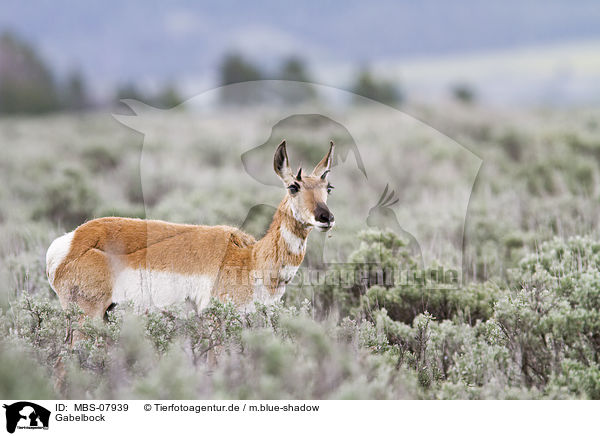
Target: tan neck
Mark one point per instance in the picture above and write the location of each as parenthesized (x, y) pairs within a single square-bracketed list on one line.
[(285, 242)]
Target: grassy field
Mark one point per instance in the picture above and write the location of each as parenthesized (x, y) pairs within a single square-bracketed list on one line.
[(524, 323)]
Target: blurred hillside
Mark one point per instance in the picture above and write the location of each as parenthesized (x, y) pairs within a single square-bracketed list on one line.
[(27, 84), (537, 52)]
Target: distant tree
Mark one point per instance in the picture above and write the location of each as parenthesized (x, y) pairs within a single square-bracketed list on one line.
[(464, 93), (383, 91), (168, 97), (26, 83), (294, 69), (129, 90), (74, 95), (236, 69)]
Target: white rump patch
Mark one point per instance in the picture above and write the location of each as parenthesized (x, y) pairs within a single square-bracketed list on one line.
[(56, 254), (295, 244), (158, 289)]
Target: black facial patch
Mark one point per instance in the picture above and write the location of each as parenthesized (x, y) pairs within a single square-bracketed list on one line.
[(294, 188)]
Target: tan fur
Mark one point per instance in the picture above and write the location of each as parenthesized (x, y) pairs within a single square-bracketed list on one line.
[(100, 249)]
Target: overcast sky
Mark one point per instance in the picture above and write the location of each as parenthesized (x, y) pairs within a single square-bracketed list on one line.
[(150, 41)]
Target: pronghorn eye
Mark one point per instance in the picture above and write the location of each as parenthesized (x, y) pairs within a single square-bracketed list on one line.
[(330, 188), (294, 188)]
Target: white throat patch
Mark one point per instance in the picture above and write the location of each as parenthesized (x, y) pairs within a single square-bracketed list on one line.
[(287, 273), (295, 244)]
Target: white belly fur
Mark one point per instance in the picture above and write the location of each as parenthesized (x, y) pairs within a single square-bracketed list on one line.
[(158, 289), (149, 289)]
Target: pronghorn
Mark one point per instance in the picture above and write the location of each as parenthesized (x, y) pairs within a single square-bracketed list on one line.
[(155, 263)]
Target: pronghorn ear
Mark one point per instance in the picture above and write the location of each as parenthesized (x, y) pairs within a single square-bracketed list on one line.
[(323, 167), (281, 164)]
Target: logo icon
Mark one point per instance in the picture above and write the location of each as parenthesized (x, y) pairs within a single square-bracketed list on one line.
[(26, 415), (374, 159)]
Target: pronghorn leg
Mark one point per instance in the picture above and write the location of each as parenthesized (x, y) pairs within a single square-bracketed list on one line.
[(212, 356), (59, 373), (72, 336), (110, 308), (86, 282)]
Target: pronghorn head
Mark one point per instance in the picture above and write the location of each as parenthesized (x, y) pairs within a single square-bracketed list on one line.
[(307, 194)]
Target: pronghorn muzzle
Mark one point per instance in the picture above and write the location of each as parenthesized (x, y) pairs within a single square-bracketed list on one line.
[(323, 216)]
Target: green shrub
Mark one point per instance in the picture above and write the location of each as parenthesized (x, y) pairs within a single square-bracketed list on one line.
[(101, 158), (22, 377), (68, 200)]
